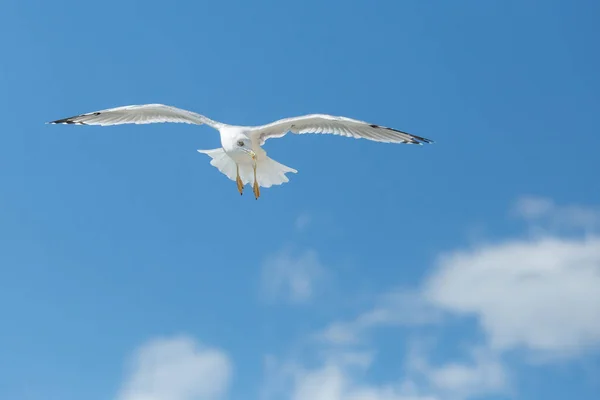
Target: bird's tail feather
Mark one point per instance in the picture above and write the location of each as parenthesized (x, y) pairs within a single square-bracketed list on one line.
[(222, 162), (268, 171)]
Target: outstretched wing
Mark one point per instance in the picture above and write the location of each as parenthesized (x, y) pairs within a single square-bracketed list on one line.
[(323, 123), (138, 114)]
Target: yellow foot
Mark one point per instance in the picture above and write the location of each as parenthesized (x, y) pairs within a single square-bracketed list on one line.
[(256, 190), (239, 183), (256, 187)]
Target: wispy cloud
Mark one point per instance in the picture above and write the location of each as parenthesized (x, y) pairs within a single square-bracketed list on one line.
[(481, 373), (176, 368), (537, 293), (542, 212), (532, 207), (303, 221), (293, 278), (398, 307), (341, 375), (337, 378)]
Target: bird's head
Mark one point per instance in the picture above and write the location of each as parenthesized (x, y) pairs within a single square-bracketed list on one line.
[(243, 144)]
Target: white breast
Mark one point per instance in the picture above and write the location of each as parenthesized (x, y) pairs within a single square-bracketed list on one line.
[(230, 135)]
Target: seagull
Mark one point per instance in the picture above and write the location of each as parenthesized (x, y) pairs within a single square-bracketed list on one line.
[(241, 157)]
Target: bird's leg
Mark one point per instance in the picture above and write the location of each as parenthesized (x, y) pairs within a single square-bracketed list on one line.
[(256, 187), (240, 185)]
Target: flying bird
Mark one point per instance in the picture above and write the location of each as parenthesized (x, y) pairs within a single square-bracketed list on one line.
[(241, 157)]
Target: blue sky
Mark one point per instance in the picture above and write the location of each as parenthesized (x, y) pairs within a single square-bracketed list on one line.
[(131, 269)]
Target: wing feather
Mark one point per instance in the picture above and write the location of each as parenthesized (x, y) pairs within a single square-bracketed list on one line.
[(329, 124), (139, 114)]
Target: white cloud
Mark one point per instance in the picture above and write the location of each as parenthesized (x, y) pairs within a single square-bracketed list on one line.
[(294, 278), (543, 294), (177, 369), (540, 293), (544, 212)]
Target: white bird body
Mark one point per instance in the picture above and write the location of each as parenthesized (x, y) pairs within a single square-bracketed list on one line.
[(241, 157), (230, 135)]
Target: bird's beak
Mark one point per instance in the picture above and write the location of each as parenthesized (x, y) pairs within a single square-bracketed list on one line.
[(250, 152)]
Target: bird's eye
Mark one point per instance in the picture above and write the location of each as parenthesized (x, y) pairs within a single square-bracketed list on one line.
[(240, 143)]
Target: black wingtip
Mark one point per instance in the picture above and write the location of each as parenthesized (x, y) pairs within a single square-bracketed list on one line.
[(70, 120), (423, 140), (62, 121), (415, 139)]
